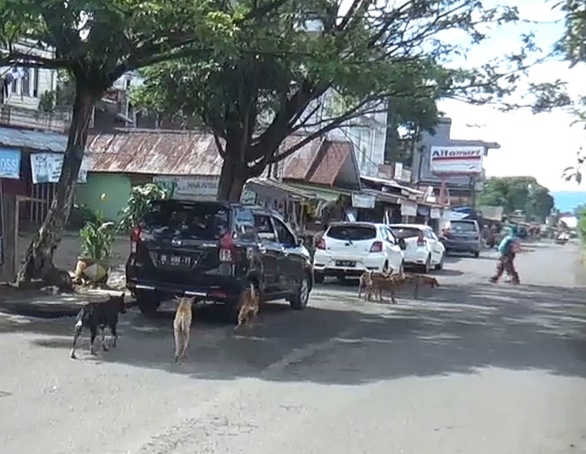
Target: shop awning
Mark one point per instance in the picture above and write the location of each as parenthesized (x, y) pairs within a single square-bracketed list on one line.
[(267, 185), (327, 194)]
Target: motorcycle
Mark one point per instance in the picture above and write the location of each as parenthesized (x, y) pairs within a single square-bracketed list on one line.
[(562, 238)]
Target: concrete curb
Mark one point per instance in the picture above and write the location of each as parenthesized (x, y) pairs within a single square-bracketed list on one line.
[(50, 306), (40, 310)]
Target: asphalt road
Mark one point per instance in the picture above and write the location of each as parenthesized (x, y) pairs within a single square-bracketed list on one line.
[(468, 368)]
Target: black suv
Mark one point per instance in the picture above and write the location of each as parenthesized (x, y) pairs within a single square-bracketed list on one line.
[(213, 251)]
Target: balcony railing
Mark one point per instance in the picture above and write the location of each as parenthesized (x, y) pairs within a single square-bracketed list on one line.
[(18, 117)]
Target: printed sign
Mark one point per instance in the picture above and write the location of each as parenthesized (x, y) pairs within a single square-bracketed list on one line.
[(46, 168), (10, 163), (456, 160), (408, 208), (197, 187), (363, 200)]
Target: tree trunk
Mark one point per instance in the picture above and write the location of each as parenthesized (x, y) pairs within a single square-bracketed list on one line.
[(38, 262), (232, 180)]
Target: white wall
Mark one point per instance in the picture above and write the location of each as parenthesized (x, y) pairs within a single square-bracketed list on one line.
[(367, 133), (26, 92)]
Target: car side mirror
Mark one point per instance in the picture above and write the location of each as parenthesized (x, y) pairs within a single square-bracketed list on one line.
[(402, 244)]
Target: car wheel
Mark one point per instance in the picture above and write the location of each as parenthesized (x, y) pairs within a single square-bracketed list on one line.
[(147, 302), (440, 265), (299, 301), (477, 254), (318, 278)]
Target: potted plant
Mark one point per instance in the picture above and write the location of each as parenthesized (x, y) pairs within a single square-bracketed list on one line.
[(97, 237)]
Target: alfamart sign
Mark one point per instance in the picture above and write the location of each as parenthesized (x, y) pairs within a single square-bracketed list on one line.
[(456, 160)]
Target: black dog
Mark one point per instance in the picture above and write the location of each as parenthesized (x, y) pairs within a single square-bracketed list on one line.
[(99, 315)]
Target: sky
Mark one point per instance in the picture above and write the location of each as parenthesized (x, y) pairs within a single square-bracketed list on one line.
[(537, 145)]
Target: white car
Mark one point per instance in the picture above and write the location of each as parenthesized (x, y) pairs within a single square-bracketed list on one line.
[(424, 249), (348, 249)]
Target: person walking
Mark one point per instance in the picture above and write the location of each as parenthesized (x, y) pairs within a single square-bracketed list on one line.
[(507, 249)]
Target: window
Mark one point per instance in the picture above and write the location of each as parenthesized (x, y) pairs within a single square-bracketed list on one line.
[(36, 82), (264, 228), (26, 82), (406, 232), (244, 224), (352, 232), (286, 238), (199, 221), (463, 226), (392, 238)]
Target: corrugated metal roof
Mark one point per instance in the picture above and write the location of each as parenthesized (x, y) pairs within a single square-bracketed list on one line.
[(281, 187), (298, 165), (154, 152), (333, 156), (34, 140)]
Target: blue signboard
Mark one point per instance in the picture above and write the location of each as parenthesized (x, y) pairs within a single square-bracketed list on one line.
[(9, 163)]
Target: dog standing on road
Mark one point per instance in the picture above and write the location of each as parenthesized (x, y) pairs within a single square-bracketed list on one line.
[(99, 315), (249, 306), (182, 327)]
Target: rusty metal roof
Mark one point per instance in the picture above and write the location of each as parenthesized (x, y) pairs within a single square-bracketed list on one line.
[(154, 152), (298, 165), (331, 159), (33, 140)]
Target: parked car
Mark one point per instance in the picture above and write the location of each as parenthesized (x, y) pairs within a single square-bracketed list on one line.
[(348, 249), (462, 236), (212, 251), (424, 249)]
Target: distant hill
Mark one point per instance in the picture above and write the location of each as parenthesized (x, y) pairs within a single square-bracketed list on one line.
[(568, 200)]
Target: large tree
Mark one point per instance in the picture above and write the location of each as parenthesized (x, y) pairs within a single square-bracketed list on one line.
[(95, 42), (518, 193), (311, 66)]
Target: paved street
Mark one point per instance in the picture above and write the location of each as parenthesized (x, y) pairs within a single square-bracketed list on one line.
[(467, 368)]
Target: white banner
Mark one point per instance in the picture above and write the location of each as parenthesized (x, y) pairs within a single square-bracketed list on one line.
[(363, 200), (435, 213), (46, 168), (408, 208), (456, 160)]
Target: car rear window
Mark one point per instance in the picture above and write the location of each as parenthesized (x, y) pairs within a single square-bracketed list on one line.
[(459, 226), (405, 232), (352, 232), (195, 221)]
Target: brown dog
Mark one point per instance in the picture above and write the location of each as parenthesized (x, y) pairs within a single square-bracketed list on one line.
[(365, 284), (182, 327), (421, 279), (249, 306)]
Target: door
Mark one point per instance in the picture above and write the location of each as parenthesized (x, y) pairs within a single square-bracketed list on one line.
[(290, 264), (178, 241), (395, 252), (435, 246), (269, 249)]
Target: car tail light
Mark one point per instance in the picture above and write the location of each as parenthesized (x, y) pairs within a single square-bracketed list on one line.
[(420, 240), (134, 239), (321, 244), (226, 249), (377, 246)]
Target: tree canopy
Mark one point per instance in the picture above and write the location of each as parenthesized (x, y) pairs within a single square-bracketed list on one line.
[(95, 42), (310, 66), (518, 193)]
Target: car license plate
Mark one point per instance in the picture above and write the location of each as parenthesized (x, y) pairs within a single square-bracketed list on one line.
[(346, 263), (174, 260)]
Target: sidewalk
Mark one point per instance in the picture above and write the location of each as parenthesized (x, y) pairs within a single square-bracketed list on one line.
[(35, 303)]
